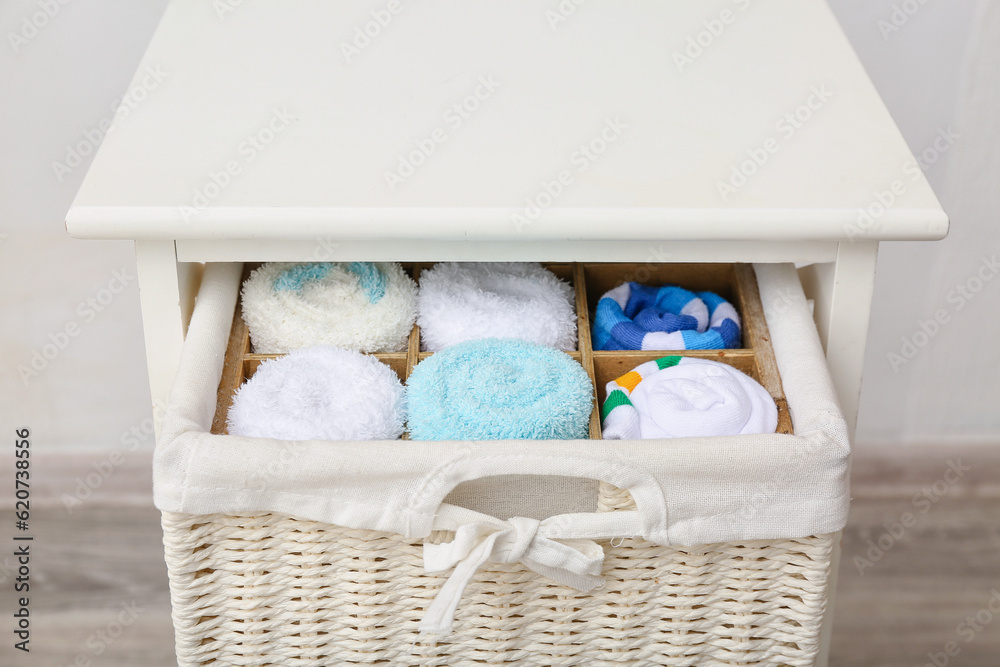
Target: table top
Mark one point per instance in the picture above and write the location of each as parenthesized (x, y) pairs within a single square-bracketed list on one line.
[(503, 120)]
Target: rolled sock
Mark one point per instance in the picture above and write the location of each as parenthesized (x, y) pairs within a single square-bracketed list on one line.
[(320, 393), (679, 397), (639, 317), (493, 389), (364, 306), (469, 301)]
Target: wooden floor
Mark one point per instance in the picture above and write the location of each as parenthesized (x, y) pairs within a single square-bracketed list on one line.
[(892, 610)]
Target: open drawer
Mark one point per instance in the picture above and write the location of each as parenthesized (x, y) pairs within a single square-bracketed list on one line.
[(736, 283), (696, 550)]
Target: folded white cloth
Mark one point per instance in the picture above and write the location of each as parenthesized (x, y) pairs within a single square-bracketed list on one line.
[(469, 301), (320, 393), (685, 397), (364, 306)]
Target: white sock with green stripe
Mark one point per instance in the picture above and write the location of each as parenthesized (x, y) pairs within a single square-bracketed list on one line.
[(678, 397)]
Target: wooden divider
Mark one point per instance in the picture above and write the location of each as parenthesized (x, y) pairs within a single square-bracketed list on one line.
[(734, 282), (585, 345)]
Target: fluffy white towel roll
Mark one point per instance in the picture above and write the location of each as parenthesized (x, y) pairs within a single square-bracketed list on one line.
[(320, 393), (469, 301), (364, 306), (679, 397)]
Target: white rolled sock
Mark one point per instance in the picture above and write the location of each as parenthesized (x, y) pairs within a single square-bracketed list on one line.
[(364, 306), (692, 398), (470, 301), (320, 393)]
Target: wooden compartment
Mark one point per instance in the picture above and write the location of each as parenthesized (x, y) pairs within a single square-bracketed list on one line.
[(734, 282)]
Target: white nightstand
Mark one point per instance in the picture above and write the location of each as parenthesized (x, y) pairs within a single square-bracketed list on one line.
[(636, 131)]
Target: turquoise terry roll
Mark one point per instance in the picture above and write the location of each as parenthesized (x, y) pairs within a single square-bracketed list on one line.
[(493, 389)]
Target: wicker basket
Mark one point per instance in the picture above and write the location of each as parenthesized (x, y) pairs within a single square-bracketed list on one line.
[(266, 588), (272, 590)]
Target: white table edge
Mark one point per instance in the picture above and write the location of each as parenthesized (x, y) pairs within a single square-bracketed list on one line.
[(500, 224)]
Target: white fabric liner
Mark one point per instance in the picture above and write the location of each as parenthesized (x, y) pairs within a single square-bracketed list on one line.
[(687, 491)]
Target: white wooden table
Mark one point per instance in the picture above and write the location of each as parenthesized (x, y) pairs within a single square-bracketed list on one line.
[(635, 130)]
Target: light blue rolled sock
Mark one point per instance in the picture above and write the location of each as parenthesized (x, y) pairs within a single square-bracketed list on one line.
[(499, 389)]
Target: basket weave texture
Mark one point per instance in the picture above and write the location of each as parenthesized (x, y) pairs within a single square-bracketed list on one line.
[(269, 589)]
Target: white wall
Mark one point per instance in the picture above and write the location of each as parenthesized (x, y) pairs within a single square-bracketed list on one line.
[(946, 391), (55, 87), (63, 82)]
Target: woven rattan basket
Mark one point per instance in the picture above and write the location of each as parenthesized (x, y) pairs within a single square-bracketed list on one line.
[(272, 590), (266, 588)]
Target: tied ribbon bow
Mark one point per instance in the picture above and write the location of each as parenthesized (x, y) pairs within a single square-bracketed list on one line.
[(572, 562)]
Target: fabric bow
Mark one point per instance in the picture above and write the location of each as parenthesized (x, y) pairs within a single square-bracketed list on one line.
[(572, 562)]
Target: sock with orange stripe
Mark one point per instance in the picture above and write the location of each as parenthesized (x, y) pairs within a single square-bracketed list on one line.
[(677, 397)]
